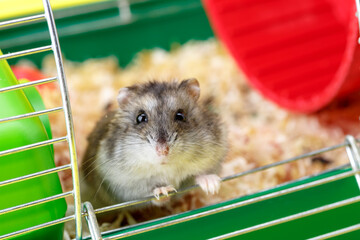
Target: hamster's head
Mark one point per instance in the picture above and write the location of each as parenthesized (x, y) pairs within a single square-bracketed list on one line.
[(163, 123)]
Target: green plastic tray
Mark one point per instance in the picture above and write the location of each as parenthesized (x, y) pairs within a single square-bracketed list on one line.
[(237, 218)]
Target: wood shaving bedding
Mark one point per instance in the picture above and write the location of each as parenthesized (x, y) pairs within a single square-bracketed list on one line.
[(259, 132)]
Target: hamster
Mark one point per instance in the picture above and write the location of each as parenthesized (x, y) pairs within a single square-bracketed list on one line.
[(161, 138)]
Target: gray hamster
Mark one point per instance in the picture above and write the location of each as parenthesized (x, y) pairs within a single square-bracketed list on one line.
[(161, 138)]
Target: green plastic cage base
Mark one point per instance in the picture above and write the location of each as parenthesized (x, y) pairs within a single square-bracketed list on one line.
[(229, 218)]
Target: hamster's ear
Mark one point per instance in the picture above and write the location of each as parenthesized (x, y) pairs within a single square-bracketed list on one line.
[(123, 96), (192, 87)]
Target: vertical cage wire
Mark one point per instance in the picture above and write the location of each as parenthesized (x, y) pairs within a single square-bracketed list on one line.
[(354, 156), (91, 221), (68, 116)]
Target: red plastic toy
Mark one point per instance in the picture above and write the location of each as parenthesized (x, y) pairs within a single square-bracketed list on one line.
[(299, 54), (30, 73)]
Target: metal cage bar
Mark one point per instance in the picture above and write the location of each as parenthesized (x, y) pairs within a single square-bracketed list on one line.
[(92, 221), (37, 227), (246, 202), (354, 156), (175, 215), (33, 114), (68, 116), (55, 48), (240, 204), (22, 20), (34, 203), (337, 232), (34, 175), (32, 146), (241, 174), (290, 218), (26, 52), (28, 84)]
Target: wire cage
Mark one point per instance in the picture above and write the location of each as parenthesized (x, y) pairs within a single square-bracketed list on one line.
[(55, 48), (330, 196)]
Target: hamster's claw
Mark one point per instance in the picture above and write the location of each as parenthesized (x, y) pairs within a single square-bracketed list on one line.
[(209, 183), (164, 191)]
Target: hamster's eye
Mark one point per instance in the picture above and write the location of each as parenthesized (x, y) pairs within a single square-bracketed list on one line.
[(180, 116), (142, 117)]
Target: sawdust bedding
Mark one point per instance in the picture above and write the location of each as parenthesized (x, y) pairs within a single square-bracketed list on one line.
[(259, 132)]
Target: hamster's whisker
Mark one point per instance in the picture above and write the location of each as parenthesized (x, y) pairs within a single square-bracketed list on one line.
[(173, 137), (110, 189), (133, 144), (148, 138), (97, 191), (151, 140), (90, 165), (96, 167)]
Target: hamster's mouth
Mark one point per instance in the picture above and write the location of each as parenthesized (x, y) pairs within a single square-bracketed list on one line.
[(164, 160)]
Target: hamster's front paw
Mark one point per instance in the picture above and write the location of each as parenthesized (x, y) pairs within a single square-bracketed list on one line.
[(209, 183), (164, 191)]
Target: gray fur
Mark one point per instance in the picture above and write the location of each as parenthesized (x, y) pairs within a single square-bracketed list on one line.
[(119, 163)]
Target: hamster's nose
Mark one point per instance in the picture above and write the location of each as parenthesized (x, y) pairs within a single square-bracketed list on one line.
[(162, 149)]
